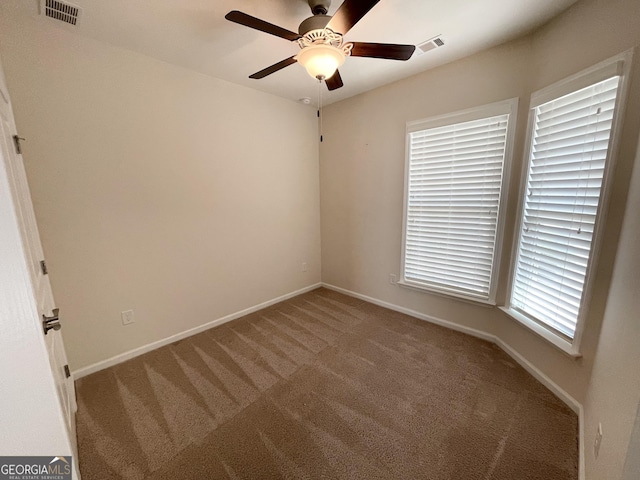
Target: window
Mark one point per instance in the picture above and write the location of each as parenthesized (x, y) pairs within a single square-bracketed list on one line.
[(571, 131), (455, 176)]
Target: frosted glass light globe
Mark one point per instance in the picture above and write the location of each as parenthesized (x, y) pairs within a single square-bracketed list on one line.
[(321, 61)]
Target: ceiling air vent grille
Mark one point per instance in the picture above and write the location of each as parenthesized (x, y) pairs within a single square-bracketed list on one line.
[(431, 44), (62, 11)]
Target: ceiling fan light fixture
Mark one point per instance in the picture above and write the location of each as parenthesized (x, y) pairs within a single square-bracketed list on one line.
[(321, 40), (321, 61)]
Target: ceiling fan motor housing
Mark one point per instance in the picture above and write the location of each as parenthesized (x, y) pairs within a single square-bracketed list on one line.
[(317, 22)]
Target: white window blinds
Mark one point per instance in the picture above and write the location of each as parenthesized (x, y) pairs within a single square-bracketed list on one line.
[(453, 196), (570, 141)]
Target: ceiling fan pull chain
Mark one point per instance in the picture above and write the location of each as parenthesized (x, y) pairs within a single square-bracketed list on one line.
[(320, 108)]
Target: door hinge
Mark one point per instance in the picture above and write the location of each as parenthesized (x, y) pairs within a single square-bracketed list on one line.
[(67, 372), (43, 267), (16, 142)]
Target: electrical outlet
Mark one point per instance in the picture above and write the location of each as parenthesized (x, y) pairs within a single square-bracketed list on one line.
[(393, 279), (304, 267), (127, 317), (598, 441)]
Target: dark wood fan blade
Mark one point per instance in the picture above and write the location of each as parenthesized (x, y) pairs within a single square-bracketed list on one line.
[(350, 13), (335, 81), (382, 50), (274, 68), (256, 23)]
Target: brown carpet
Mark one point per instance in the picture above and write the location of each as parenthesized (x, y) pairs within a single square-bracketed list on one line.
[(324, 386)]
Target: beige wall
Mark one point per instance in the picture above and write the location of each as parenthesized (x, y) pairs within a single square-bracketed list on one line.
[(362, 175), (632, 463), (614, 393), (157, 189)]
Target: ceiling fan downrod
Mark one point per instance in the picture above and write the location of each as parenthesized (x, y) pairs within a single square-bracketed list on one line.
[(319, 7)]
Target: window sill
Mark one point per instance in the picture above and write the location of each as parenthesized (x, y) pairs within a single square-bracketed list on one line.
[(451, 296), (565, 346)]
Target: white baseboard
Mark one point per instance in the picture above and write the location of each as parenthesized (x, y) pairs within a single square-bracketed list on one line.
[(123, 357), (413, 313), (561, 393), (557, 390)]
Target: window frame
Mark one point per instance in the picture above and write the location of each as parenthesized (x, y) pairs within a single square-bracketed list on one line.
[(504, 107), (617, 65)]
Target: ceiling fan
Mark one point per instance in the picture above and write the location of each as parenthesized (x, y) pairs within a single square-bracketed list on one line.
[(321, 42)]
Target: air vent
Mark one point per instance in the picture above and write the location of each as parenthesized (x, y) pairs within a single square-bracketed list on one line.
[(431, 44), (62, 11)]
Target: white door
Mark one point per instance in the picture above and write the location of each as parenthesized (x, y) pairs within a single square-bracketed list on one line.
[(18, 195)]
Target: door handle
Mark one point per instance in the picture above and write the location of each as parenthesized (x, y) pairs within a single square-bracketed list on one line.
[(52, 322)]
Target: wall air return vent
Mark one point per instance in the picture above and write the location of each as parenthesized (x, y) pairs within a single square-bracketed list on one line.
[(62, 11), (431, 44)]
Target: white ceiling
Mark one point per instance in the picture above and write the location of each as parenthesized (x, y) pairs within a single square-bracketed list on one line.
[(195, 34)]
